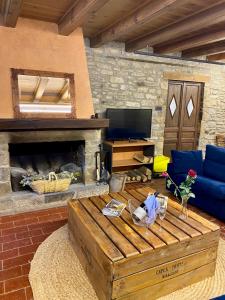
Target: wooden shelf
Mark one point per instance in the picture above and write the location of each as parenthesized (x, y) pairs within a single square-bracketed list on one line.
[(120, 154), (128, 162), (52, 124), (119, 144)]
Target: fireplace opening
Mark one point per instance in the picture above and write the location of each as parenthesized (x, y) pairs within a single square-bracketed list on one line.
[(45, 157)]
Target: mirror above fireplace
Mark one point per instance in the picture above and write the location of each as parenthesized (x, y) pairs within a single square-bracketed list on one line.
[(41, 94)]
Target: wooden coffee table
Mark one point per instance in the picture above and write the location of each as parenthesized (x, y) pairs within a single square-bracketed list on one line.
[(125, 261)]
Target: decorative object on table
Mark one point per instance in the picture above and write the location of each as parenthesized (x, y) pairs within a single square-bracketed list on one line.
[(183, 191), (114, 208), (163, 200), (146, 213), (117, 182), (50, 183)]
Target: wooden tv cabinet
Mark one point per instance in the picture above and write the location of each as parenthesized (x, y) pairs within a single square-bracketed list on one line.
[(119, 157)]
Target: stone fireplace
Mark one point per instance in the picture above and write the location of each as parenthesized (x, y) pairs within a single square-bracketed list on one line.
[(43, 151)]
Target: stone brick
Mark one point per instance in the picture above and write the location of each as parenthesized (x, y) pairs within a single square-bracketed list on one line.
[(5, 188), (4, 174)]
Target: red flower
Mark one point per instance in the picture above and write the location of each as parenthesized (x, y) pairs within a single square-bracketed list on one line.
[(165, 174), (192, 173)]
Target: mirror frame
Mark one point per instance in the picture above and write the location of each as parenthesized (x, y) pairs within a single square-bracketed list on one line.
[(15, 94)]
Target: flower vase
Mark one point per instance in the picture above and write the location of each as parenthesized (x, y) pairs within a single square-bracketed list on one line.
[(184, 209)]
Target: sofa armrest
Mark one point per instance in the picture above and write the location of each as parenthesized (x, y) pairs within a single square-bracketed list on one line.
[(170, 169)]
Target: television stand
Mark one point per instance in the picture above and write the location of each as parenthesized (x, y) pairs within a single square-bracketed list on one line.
[(132, 141), (119, 157)]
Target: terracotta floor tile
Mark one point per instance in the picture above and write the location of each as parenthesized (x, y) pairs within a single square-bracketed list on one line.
[(6, 225), (29, 294), (30, 233), (39, 238), (1, 287), (25, 269), (28, 249), (16, 295), (8, 254), (17, 261), (16, 283), (17, 244), (50, 217), (14, 230), (11, 273), (8, 238), (26, 221)]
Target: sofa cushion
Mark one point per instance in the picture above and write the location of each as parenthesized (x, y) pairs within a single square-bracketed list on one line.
[(210, 188), (214, 164), (183, 161)]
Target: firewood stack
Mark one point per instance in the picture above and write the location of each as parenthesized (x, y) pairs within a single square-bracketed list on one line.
[(141, 174)]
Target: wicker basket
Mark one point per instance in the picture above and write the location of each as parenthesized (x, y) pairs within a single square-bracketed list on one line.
[(220, 140), (52, 185)]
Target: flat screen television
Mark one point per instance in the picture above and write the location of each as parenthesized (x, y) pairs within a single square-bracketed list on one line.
[(128, 123)]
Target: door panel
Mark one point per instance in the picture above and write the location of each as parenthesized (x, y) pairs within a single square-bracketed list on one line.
[(182, 116), (172, 117)]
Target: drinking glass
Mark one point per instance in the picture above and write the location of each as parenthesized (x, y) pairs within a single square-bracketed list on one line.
[(162, 209), (162, 214)]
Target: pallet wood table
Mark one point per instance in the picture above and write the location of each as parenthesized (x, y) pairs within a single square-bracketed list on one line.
[(125, 261)]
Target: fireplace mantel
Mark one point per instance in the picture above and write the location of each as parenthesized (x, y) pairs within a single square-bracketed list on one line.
[(52, 124)]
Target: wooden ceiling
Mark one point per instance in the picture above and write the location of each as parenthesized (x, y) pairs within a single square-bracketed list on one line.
[(193, 27)]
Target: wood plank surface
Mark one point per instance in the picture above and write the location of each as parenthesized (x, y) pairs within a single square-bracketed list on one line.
[(162, 272), (105, 245), (111, 231), (147, 235), (169, 286), (131, 235), (180, 224)]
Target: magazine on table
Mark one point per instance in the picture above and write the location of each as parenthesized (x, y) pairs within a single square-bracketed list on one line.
[(114, 208)]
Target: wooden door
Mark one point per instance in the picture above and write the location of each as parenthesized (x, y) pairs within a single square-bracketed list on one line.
[(182, 124)]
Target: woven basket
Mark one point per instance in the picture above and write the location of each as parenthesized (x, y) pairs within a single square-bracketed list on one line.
[(52, 185), (220, 140)]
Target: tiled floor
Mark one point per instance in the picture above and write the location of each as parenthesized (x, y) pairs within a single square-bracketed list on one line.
[(21, 234)]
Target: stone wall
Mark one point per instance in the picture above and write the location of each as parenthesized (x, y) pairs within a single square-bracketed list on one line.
[(126, 80)]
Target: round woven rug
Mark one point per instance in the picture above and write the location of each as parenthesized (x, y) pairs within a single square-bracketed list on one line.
[(56, 274)]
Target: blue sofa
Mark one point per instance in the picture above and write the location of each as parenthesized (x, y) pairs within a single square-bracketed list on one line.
[(209, 187)]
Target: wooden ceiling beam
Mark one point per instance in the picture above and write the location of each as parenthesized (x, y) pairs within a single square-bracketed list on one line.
[(11, 12), (64, 93), (211, 16), (41, 87), (78, 14), (218, 56), (195, 41), (139, 17), (208, 49)]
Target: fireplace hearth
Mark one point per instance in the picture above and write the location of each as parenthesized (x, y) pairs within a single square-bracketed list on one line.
[(43, 158), (42, 151)]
